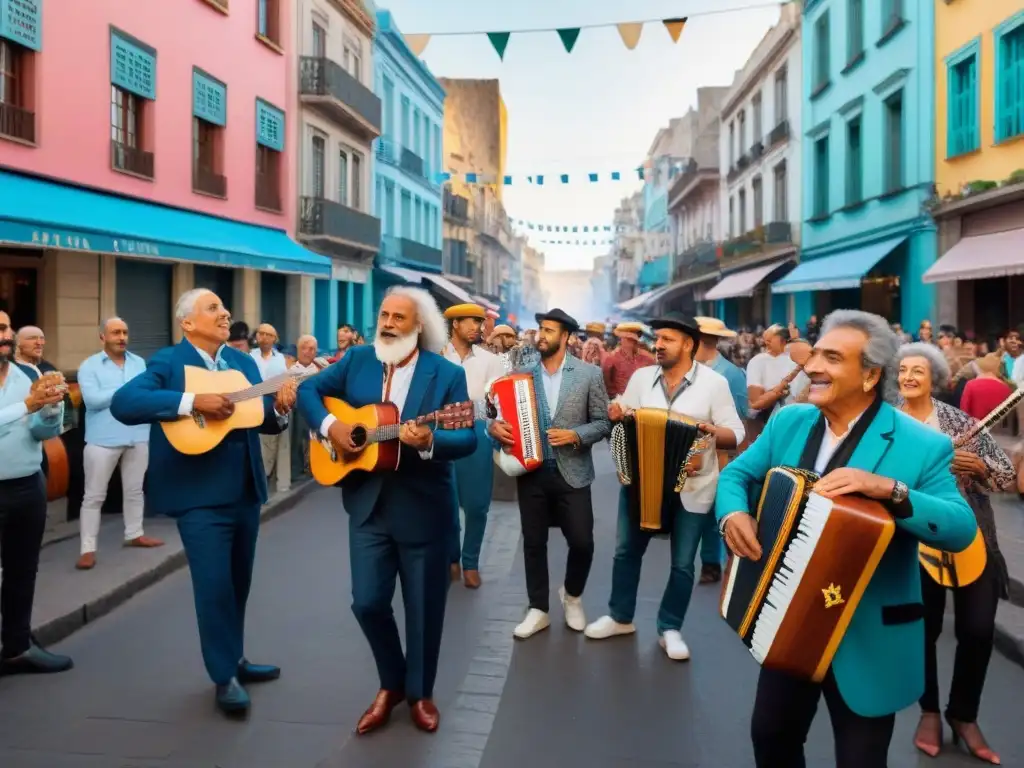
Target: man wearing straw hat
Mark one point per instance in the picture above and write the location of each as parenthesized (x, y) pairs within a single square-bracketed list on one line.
[(502, 339), (712, 332), (596, 330), (620, 365)]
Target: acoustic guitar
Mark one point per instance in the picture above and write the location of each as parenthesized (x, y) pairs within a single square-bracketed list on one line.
[(194, 434), (375, 433)]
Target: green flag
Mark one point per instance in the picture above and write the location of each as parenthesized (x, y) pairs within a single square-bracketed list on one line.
[(569, 37), (500, 42)]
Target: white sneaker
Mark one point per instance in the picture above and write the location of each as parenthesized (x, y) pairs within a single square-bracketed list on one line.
[(575, 619), (675, 648), (535, 621), (606, 626)]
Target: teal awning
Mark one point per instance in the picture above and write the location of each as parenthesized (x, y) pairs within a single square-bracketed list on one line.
[(39, 213), (836, 272)]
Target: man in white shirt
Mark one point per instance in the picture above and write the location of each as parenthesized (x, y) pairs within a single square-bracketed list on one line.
[(677, 383), (474, 475), (271, 363), (767, 388)]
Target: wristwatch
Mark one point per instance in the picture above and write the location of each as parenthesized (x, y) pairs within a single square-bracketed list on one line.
[(899, 492)]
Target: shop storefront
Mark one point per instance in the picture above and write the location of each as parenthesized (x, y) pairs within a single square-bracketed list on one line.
[(743, 298)]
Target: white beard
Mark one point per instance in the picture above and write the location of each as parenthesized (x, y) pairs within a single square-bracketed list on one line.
[(394, 351)]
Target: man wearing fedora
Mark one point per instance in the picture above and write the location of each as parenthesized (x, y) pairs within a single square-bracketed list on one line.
[(620, 365), (712, 332), (677, 383), (572, 406)]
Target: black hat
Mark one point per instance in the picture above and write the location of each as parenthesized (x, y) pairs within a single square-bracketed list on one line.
[(557, 315), (677, 321)]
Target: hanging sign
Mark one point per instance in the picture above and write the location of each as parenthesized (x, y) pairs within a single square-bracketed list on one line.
[(22, 22), (209, 98), (132, 65), (269, 126)]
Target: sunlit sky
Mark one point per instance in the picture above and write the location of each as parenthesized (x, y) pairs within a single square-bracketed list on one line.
[(594, 110)]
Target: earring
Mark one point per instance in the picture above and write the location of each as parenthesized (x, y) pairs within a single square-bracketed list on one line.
[(867, 387)]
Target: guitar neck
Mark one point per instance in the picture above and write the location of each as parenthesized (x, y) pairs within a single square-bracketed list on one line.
[(386, 432), (993, 418), (268, 387)]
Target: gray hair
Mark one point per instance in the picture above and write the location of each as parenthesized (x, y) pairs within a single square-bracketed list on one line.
[(936, 362), (777, 330), (880, 349), (187, 303), (434, 334), (28, 331), (108, 321), (306, 337)]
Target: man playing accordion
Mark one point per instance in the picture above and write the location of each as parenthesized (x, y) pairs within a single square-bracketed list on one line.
[(677, 384), (859, 446)]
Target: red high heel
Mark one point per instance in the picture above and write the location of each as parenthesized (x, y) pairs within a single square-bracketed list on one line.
[(927, 747), (983, 752)]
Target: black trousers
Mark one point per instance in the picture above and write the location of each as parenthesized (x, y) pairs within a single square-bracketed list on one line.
[(545, 499), (22, 523), (784, 710), (974, 611)]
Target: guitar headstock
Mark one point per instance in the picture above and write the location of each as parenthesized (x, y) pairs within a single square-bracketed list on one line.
[(456, 416)]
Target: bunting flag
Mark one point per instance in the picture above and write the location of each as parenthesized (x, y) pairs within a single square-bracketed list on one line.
[(577, 242), (567, 228), (629, 31), (640, 173)]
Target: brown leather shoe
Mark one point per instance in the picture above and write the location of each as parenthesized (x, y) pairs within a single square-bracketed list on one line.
[(471, 579), (86, 562), (456, 571), (145, 542), (380, 711), (425, 715)]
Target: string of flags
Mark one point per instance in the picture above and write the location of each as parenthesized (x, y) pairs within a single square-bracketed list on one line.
[(567, 228), (629, 31), (641, 173), (577, 242)]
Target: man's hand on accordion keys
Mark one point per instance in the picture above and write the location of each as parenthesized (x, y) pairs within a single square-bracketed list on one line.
[(847, 480), (615, 412), (501, 431)]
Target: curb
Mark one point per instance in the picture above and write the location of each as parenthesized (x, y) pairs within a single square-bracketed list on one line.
[(1009, 634), (62, 627)]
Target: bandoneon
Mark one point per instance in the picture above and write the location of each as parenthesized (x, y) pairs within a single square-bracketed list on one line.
[(792, 607), (515, 402), (651, 448)]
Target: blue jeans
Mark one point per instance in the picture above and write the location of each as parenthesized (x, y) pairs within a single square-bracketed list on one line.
[(712, 548), (474, 479), (630, 546)]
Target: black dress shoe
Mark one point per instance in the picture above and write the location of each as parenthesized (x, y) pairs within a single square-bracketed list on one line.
[(257, 673), (232, 697), (35, 661)]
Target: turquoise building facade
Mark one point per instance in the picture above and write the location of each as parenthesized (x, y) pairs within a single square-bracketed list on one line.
[(868, 160)]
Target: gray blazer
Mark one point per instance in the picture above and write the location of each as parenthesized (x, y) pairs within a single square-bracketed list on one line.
[(583, 407)]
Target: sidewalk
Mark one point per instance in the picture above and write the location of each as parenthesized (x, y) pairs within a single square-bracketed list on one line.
[(67, 599), (1009, 511)]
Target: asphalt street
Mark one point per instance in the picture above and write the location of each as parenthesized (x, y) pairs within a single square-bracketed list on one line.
[(139, 698)]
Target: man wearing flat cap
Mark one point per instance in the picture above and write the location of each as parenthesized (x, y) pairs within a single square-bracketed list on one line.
[(572, 407), (474, 474), (620, 365), (680, 384)]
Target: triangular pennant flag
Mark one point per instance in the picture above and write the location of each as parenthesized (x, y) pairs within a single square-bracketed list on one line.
[(500, 42), (540, 181), (630, 33), (675, 27), (569, 37), (508, 181), (565, 178), (593, 177), (417, 44), (616, 176)]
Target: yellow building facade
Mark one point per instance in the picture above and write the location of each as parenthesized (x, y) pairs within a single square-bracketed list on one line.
[(978, 139)]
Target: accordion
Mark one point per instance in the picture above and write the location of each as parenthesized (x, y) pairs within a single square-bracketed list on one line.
[(791, 608), (651, 448), (514, 400)]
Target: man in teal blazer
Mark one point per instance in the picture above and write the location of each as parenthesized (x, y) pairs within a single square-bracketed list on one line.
[(858, 444)]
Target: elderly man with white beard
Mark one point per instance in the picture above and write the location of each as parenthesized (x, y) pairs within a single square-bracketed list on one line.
[(399, 522)]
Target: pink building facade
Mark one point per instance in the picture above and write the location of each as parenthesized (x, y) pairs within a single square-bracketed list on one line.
[(147, 148)]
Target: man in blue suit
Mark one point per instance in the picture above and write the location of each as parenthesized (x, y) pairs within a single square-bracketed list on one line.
[(399, 523), (215, 497), (858, 444)]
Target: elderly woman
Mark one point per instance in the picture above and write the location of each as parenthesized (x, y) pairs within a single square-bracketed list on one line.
[(980, 466)]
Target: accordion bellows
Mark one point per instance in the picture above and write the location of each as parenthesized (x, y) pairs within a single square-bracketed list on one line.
[(792, 607), (651, 448)]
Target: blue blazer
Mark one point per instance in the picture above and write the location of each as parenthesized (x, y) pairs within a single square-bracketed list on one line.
[(177, 483), (879, 666), (421, 494)]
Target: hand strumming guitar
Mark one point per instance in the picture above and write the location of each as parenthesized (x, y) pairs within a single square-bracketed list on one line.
[(341, 436), (418, 437), (213, 407)]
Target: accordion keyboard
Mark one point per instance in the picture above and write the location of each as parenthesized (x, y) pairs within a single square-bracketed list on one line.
[(528, 420)]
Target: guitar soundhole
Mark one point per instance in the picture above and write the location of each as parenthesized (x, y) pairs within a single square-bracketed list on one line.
[(359, 436)]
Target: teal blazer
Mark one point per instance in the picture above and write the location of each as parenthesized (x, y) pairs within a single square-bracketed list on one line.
[(879, 665)]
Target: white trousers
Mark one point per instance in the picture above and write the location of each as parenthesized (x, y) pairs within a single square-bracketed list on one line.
[(99, 466)]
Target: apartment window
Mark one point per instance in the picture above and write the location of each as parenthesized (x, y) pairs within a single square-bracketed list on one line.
[(16, 119), (357, 181), (820, 178), (319, 41), (268, 20), (894, 142), (732, 216), (419, 221), (127, 128), (406, 215), (207, 158), (343, 177), (781, 95), (438, 149), (962, 103), (741, 202), (389, 207), (755, 111), (732, 144), (822, 55), (743, 132), (892, 15), (428, 150), (416, 136), (406, 128), (758, 193), (352, 57), (268, 179), (854, 30), (1009, 44), (388, 107), (854, 163), (319, 159), (780, 193)]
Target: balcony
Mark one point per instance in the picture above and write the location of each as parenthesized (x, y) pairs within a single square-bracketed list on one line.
[(268, 192), (756, 150), (412, 163), (327, 87), (779, 133), (456, 208), (17, 123), (742, 163), (496, 229), (131, 160), (703, 254), (758, 241), (209, 183), (386, 150), (402, 251), (331, 222)]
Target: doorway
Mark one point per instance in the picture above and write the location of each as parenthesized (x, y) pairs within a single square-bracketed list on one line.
[(19, 295)]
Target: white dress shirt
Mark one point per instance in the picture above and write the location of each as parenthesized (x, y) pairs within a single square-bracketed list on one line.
[(481, 366), (706, 397), (767, 371), (271, 366)]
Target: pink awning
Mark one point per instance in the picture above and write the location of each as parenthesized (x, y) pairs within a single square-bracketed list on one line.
[(976, 258)]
